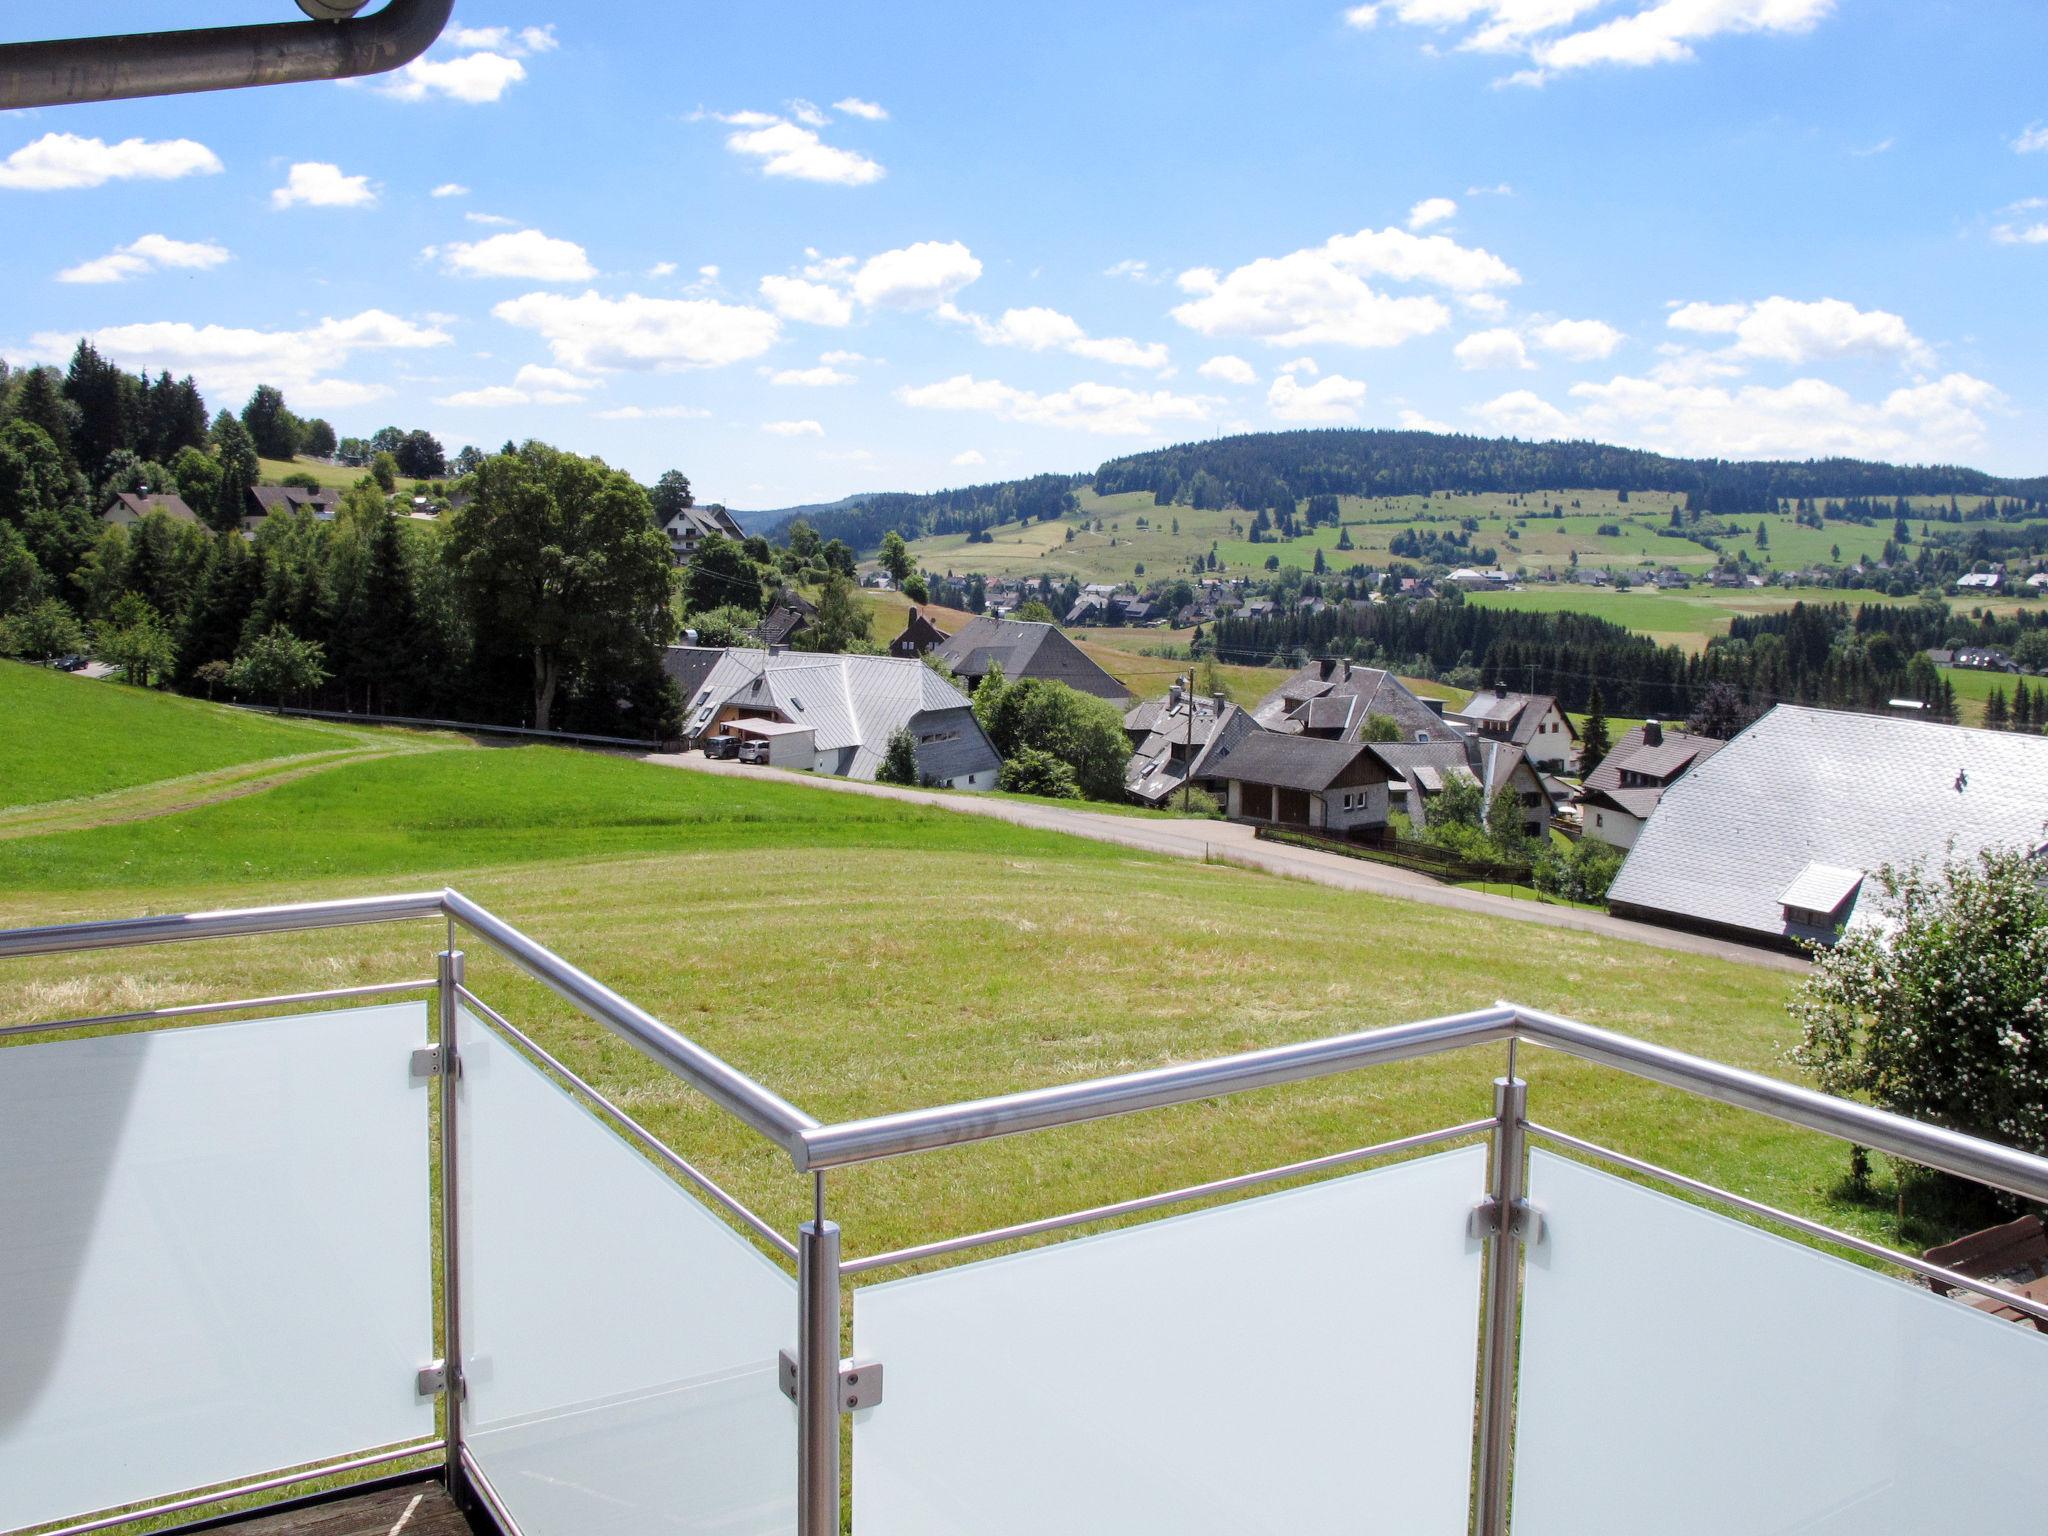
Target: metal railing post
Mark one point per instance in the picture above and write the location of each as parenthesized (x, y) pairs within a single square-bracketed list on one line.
[(449, 972), (817, 1391), (1503, 1308)]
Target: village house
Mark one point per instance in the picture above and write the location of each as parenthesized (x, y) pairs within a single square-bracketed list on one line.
[(690, 526), (1779, 836), (128, 507), (1023, 649), (1980, 581), (1424, 768), (1338, 788), (1618, 796), (1335, 699), (920, 635), (1182, 739), (1531, 721), (820, 712), (787, 617)]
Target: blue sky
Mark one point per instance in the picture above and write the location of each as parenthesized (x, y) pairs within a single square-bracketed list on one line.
[(803, 250)]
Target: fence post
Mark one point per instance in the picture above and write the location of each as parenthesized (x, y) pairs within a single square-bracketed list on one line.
[(817, 1374), (1503, 1308), (449, 971)]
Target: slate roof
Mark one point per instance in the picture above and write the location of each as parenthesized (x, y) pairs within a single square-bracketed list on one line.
[(1160, 726), (1809, 786), (294, 498), (1292, 762), (1680, 749), (1376, 692), (138, 507), (1518, 713), (1027, 650)]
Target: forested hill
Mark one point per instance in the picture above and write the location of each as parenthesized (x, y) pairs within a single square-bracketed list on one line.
[(1262, 469)]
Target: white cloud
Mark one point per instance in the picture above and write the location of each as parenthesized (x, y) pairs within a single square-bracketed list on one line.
[(472, 77), (526, 254), (1137, 271), (808, 113), (1793, 331), (2033, 139), (795, 298), (842, 359), (592, 331), (1333, 398), (787, 149), (662, 269), (920, 276), (853, 106), (61, 161), (969, 458), (450, 189), (1226, 369), (234, 359), (1415, 421), (652, 413), (147, 254), (1321, 295), (1549, 34), (527, 40), (1498, 189), (1431, 210), (1499, 348), (321, 184), (1929, 420), (1039, 329), (1307, 365), (533, 385), (1362, 18), (2021, 234), (490, 220), (1583, 341), (820, 377), (793, 428), (1488, 304), (1104, 409)]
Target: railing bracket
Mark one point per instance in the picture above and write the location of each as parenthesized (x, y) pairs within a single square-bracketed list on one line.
[(426, 1063), (431, 1380), (1483, 1220), (860, 1382)]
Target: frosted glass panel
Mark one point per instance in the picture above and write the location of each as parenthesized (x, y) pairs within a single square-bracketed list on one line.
[(1686, 1374), (1301, 1363), (619, 1339), (214, 1255)]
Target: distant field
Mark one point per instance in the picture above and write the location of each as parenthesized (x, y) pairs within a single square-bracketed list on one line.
[(336, 475), (68, 736)]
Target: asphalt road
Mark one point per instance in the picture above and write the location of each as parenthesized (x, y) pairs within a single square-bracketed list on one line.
[(1230, 843)]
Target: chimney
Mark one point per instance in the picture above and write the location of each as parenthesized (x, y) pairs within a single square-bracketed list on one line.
[(1435, 707), (1173, 697), (1326, 666), (1347, 670), (1500, 690), (689, 637), (777, 650), (1653, 733), (1219, 701)]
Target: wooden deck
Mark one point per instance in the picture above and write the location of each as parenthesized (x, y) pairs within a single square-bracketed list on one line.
[(422, 1509)]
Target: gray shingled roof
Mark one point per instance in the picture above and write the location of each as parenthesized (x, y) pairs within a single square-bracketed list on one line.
[(1291, 762), (1679, 748), (1380, 693), (1027, 650), (1809, 786)]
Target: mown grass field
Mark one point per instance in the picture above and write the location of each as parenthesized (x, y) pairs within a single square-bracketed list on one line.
[(862, 956)]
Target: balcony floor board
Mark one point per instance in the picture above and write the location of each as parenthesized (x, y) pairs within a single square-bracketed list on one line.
[(421, 1509)]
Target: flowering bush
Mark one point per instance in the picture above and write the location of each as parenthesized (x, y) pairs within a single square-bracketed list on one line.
[(1940, 1012)]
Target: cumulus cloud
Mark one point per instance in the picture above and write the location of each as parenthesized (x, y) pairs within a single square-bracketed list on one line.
[(1431, 210), (1226, 369), (2021, 234), (322, 184), (1498, 348), (652, 413), (1362, 18), (853, 106), (1793, 331), (58, 162), (824, 376), (150, 253), (490, 220), (1133, 269), (589, 330), (1930, 419), (533, 385), (1038, 329), (2033, 139), (968, 458), (1107, 410), (1322, 294), (796, 298), (793, 428), (450, 189), (794, 151), (920, 276), (473, 78), (1554, 37), (525, 254), (1415, 421), (1331, 398), (1582, 341), (234, 359)]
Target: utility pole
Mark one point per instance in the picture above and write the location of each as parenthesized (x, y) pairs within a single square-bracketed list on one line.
[(1187, 781)]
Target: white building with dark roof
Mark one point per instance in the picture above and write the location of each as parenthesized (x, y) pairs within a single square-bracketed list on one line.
[(1778, 836), (1617, 797), (1531, 721), (1024, 649)]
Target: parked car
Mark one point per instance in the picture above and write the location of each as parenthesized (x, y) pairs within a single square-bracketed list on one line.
[(722, 746), (754, 752), (70, 663)]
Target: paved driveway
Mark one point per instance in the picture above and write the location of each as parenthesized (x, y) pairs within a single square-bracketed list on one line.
[(1231, 843)]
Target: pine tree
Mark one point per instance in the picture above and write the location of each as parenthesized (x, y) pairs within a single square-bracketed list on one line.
[(1997, 715), (1595, 742)]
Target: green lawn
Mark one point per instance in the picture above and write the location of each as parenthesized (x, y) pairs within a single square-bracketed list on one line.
[(339, 476), (68, 736), (863, 956)]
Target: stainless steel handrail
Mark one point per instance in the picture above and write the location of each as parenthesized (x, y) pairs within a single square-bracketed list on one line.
[(238, 1005), (64, 71), (231, 924)]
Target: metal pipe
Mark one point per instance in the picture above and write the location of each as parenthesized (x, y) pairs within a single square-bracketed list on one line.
[(450, 969), (479, 1482), (232, 924), (244, 1490), (1813, 1229), (647, 1138), (978, 1120), (861, 1266), (1502, 1310), (817, 1376), (725, 1085), (1933, 1146), (64, 71), (243, 1005)]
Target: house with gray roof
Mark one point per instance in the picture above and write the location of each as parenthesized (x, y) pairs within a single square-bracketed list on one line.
[(687, 527), (1778, 837), (128, 507), (1338, 788), (1531, 721), (1617, 797), (1022, 650), (1180, 740), (1333, 699), (834, 714), (267, 500), (1423, 769)]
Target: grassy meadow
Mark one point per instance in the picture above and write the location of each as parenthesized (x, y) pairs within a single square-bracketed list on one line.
[(861, 956)]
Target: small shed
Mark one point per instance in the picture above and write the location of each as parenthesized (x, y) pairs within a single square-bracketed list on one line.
[(789, 745)]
